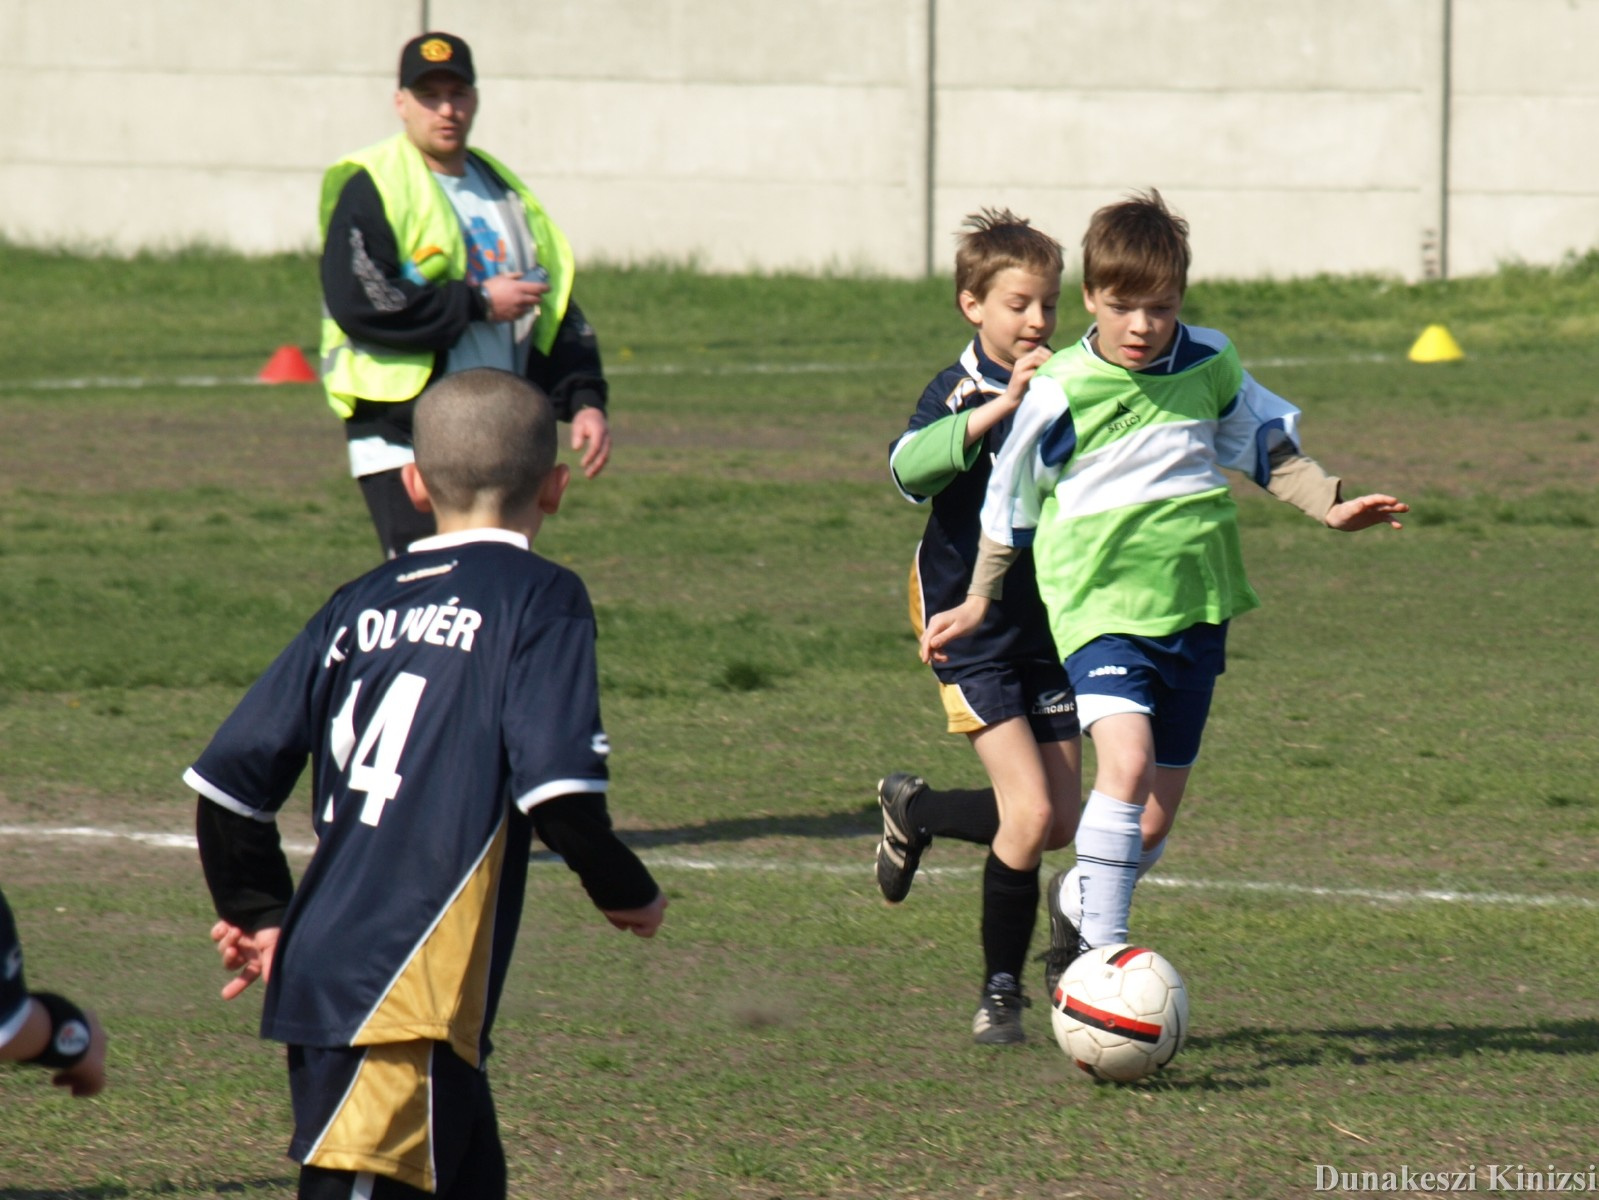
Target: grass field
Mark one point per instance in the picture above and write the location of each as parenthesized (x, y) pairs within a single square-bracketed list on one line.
[(1382, 891)]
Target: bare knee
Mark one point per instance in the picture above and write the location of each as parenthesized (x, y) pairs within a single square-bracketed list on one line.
[(1128, 777), (1028, 823)]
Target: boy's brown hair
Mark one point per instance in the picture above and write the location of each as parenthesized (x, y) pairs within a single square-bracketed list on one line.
[(484, 435), (997, 239), (1137, 247)]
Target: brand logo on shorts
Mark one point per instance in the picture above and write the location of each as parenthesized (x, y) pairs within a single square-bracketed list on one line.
[(1098, 671), (1051, 703)]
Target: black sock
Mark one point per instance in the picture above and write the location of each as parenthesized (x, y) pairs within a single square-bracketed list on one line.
[(1010, 909), (971, 815)]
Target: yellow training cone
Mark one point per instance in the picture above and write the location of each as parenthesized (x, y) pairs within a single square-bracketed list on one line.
[(1436, 345)]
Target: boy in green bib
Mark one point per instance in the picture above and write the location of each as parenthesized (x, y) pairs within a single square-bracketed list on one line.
[(1112, 474)]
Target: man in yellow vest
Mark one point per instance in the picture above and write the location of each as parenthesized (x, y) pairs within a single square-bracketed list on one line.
[(436, 259)]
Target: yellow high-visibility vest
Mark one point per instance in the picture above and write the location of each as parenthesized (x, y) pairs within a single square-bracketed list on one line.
[(428, 235)]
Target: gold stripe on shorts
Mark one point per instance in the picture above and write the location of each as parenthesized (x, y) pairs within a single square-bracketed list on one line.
[(384, 1123), (917, 607), (961, 717)]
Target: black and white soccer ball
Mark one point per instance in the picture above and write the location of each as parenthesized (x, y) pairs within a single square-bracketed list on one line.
[(1120, 1012)]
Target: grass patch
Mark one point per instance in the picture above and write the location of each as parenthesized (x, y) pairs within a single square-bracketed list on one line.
[(1380, 891)]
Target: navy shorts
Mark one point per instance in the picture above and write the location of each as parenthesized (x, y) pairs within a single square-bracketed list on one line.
[(985, 694), (1170, 679)]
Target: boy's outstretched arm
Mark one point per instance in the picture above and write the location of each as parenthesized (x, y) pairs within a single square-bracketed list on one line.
[(1303, 482), (1365, 511), (578, 828)]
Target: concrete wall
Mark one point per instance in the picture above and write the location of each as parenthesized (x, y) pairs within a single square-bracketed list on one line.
[(1406, 137), (1524, 131), (1294, 134), (743, 134)]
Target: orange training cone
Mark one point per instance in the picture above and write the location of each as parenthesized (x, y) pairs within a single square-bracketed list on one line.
[(1436, 345), (287, 365)]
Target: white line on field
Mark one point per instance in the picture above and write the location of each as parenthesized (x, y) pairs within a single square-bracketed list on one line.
[(138, 382), (678, 862), (1342, 360), (87, 382)]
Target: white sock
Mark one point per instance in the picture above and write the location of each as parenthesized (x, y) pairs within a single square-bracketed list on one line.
[(1109, 850), (1071, 902)]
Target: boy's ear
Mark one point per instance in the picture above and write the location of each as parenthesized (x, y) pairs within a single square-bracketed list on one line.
[(416, 487), (971, 307), (1088, 301), (553, 488)]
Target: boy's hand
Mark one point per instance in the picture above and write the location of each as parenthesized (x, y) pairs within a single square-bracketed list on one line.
[(1365, 511), (1024, 370), (985, 416), (641, 921), (250, 954), (88, 1076), (954, 623)]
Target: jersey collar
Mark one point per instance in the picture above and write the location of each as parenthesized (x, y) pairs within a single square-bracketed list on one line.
[(448, 541), (1166, 364), (988, 373)]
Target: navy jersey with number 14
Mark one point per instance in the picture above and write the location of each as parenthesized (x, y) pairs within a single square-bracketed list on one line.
[(440, 698)]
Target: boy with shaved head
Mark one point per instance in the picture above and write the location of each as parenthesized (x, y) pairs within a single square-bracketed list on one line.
[(449, 705)]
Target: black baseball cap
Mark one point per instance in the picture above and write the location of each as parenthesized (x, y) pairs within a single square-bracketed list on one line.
[(431, 52)]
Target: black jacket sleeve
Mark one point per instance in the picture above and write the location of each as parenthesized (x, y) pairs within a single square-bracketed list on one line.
[(578, 828), (366, 291), (244, 867), (571, 374)]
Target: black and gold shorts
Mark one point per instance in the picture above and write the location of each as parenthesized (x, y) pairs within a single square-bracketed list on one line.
[(411, 1112)]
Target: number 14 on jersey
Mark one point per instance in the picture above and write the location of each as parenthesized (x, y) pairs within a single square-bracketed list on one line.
[(375, 769)]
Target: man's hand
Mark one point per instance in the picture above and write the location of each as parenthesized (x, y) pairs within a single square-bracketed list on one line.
[(1365, 511), (641, 921), (592, 435), (250, 954), (510, 298), (945, 627)]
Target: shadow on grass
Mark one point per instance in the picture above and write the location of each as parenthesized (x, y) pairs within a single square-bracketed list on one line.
[(114, 1191), (845, 824), (1247, 1054)]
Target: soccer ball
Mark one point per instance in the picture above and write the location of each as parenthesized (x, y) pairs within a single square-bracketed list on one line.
[(1120, 1012)]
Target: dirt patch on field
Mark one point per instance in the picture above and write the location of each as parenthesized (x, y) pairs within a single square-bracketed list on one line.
[(1460, 455), (265, 440), (82, 449)]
